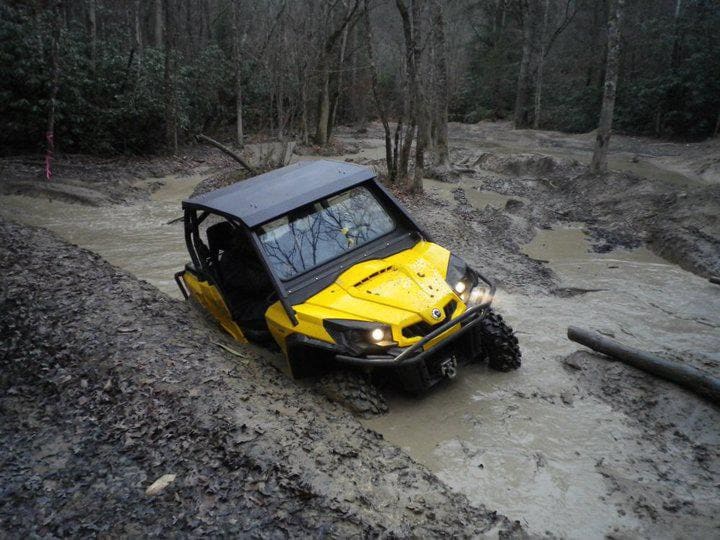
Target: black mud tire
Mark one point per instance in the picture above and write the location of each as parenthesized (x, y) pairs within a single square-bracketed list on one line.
[(498, 344), (354, 391)]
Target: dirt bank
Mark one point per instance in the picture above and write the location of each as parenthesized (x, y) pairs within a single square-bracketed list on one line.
[(108, 385), (95, 181)]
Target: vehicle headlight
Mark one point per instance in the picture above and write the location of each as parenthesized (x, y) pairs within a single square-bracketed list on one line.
[(360, 337), (479, 294), (465, 283)]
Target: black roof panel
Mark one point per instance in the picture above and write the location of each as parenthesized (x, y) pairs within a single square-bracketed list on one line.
[(261, 198)]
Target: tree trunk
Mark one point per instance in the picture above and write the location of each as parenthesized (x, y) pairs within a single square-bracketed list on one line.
[(171, 141), (541, 65), (323, 117), (411, 88), (229, 152), (92, 6), (55, 86), (239, 138), (339, 83), (522, 95), (321, 133), (422, 140), (159, 23), (137, 29), (441, 117), (602, 141), (280, 103), (695, 380), (304, 125), (421, 107), (381, 108)]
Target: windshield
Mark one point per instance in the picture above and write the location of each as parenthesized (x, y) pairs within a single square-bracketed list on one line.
[(319, 232)]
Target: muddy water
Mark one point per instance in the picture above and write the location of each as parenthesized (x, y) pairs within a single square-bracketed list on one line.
[(520, 442), (475, 196), (134, 237)]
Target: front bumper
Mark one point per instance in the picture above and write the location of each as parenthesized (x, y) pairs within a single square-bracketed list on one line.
[(416, 352)]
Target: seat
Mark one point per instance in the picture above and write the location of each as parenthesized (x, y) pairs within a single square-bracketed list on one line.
[(241, 276)]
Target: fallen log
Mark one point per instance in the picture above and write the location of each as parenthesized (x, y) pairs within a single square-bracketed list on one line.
[(225, 149), (714, 279), (693, 379)]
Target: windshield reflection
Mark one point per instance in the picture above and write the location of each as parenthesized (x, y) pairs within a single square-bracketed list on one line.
[(322, 231)]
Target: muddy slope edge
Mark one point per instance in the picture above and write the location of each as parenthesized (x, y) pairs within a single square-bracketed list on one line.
[(107, 384)]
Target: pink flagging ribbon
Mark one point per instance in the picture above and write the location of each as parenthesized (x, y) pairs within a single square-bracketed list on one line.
[(49, 155)]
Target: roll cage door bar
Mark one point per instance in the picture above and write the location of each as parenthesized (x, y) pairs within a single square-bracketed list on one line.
[(196, 247)]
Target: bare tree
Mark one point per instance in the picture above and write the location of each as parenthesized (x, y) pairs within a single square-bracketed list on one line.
[(410, 93), (541, 65), (137, 28), (338, 80), (237, 61), (159, 23), (380, 103), (55, 85), (441, 86), (92, 16), (528, 12), (602, 141), (567, 18), (422, 114), (329, 42), (171, 135)]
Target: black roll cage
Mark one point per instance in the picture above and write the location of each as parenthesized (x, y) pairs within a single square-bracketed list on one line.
[(407, 231)]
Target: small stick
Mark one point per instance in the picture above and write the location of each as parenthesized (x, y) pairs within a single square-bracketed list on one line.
[(229, 349)]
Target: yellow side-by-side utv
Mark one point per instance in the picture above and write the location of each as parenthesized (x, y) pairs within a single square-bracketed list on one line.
[(321, 259)]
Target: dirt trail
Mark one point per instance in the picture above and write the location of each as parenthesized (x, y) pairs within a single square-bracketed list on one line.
[(574, 445)]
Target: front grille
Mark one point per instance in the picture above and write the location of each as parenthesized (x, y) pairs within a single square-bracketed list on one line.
[(422, 329), (419, 329), (449, 309)]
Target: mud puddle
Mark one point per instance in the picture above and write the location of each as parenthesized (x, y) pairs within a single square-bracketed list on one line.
[(666, 162), (475, 196), (133, 237), (524, 442)]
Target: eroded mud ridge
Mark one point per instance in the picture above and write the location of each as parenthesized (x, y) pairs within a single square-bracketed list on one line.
[(107, 385), (682, 224)]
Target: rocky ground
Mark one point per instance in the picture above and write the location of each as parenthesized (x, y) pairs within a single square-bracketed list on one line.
[(108, 385)]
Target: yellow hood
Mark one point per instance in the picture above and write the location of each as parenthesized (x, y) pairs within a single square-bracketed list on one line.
[(397, 290)]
